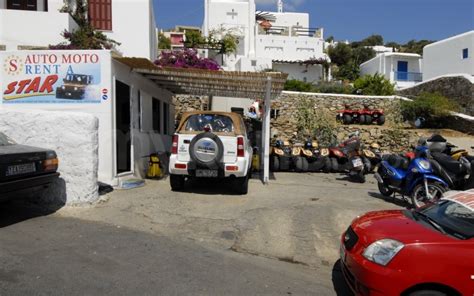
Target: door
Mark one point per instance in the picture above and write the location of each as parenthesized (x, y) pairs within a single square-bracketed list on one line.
[(122, 123), (402, 71), (22, 4)]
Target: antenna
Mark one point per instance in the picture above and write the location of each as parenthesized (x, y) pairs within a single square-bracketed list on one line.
[(280, 6)]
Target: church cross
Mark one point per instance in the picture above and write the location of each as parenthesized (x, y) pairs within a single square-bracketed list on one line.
[(233, 13)]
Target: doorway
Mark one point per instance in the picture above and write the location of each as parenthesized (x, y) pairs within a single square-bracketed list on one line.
[(122, 132), (402, 71)]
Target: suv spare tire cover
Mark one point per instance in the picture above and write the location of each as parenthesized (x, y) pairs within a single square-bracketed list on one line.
[(206, 149)]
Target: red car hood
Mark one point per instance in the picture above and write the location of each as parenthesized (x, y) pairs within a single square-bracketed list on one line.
[(395, 225)]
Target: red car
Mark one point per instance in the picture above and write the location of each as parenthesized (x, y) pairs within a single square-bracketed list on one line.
[(429, 251)]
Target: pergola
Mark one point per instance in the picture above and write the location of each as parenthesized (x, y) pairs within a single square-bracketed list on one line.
[(253, 85)]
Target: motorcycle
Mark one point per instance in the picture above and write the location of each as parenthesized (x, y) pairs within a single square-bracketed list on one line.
[(281, 156), (372, 157), (455, 168), (346, 157), (414, 178), (317, 158)]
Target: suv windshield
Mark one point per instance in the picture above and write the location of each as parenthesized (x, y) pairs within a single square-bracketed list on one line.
[(454, 218), (209, 122), (6, 141)]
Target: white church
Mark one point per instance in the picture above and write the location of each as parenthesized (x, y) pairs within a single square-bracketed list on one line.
[(282, 41)]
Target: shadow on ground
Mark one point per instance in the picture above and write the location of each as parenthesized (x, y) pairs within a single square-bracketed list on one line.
[(19, 210), (210, 186), (339, 284), (396, 200)]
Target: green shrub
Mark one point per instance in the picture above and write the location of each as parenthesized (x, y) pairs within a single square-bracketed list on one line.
[(333, 88), (430, 106), (297, 85), (374, 85)]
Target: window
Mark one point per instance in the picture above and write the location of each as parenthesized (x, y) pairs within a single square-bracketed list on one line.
[(254, 63), (209, 122), (166, 118), (156, 115), (465, 53), (100, 14), (22, 4)]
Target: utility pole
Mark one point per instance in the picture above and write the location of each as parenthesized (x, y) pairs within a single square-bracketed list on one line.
[(280, 6)]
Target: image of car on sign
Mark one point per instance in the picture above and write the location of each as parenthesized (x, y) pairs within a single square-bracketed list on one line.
[(211, 145), (427, 251), (24, 168), (74, 86)]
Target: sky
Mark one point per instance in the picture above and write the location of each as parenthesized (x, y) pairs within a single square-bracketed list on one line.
[(353, 20)]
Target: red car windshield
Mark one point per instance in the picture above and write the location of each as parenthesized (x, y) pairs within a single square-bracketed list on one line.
[(454, 218), (6, 141)]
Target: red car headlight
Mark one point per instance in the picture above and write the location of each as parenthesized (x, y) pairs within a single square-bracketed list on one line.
[(383, 251)]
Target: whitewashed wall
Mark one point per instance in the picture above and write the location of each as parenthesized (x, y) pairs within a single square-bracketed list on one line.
[(309, 73), (48, 26), (445, 57), (74, 137)]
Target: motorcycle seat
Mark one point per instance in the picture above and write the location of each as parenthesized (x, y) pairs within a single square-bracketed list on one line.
[(454, 167), (397, 161)]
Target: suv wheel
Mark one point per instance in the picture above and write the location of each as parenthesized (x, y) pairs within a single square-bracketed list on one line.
[(241, 185), (176, 182)]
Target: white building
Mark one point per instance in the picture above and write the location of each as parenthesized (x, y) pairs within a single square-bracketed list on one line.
[(454, 55), (137, 37), (402, 69), (267, 40)]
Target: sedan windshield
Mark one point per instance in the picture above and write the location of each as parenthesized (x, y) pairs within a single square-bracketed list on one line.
[(6, 141), (454, 218)]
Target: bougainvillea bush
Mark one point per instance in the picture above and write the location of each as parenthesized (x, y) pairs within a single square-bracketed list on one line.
[(187, 58)]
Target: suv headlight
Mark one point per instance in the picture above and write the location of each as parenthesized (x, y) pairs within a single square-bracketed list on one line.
[(383, 251)]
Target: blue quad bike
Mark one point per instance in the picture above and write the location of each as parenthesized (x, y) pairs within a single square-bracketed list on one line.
[(414, 178)]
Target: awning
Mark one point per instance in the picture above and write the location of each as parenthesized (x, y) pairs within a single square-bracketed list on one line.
[(253, 85), (209, 83)]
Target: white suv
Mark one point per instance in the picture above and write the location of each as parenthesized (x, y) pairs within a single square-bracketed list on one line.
[(211, 145)]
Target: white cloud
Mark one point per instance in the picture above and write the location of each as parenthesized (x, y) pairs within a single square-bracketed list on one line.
[(287, 4)]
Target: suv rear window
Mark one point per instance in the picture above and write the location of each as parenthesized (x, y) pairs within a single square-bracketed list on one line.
[(209, 122)]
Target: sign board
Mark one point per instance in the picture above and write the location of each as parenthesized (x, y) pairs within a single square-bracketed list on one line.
[(54, 76)]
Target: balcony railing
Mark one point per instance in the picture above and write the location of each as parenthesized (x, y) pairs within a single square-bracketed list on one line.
[(295, 31), (408, 76)]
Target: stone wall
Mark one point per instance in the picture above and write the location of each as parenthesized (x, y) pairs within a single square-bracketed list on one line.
[(457, 88), (186, 103), (74, 137)]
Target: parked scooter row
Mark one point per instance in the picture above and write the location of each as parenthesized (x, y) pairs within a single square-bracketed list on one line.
[(348, 157), (427, 173)]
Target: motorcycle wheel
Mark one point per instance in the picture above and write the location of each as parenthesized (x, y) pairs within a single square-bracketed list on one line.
[(275, 164), (327, 165), (347, 119), (418, 195), (368, 119), (361, 177), (384, 190), (381, 120), (334, 165), (301, 164)]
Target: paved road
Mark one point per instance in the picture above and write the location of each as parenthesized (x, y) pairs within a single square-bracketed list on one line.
[(44, 254)]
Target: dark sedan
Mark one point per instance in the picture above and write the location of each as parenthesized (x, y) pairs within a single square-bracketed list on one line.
[(24, 168)]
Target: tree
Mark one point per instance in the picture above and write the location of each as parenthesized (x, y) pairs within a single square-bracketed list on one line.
[(393, 45), (330, 39), (374, 85), (164, 42), (362, 54), (194, 39), (349, 71), (85, 36), (372, 40), (340, 54), (414, 46)]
